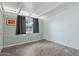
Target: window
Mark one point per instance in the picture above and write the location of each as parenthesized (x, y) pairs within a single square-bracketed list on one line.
[(29, 24)]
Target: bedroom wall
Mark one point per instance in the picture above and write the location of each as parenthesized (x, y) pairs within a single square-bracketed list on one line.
[(63, 28), (1, 31), (10, 37)]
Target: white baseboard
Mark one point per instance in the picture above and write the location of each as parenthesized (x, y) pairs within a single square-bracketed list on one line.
[(20, 43), (63, 44)]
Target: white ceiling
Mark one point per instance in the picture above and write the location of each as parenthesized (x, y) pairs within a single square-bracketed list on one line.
[(37, 9)]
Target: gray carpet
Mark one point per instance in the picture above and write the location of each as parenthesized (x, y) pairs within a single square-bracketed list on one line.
[(40, 48)]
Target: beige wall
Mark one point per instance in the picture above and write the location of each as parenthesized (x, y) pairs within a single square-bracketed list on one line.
[(63, 28), (1, 31), (10, 37)]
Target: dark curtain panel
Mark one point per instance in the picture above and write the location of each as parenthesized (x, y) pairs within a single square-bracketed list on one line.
[(20, 26), (35, 25)]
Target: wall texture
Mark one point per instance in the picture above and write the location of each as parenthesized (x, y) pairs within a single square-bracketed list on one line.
[(63, 28), (1, 31), (10, 37)]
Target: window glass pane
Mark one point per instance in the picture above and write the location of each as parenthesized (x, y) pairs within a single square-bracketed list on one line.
[(29, 25)]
